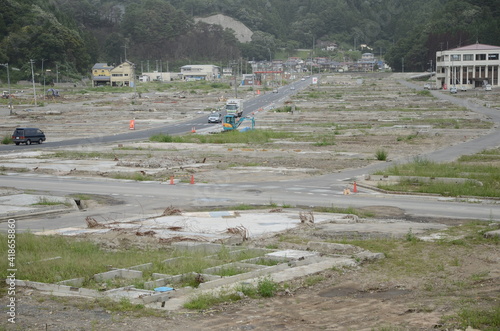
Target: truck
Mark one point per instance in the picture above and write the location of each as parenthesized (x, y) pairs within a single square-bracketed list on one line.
[(234, 107)]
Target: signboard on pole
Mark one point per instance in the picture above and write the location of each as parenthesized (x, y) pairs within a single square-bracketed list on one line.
[(315, 80)]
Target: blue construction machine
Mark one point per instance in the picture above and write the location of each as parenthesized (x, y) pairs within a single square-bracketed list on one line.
[(231, 122)]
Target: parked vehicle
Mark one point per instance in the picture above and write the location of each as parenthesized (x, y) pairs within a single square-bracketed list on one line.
[(28, 136), (234, 107), (453, 89), (487, 87), (427, 86), (463, 88), (215, 118)]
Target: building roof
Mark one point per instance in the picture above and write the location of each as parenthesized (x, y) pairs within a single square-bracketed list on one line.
[(477, 47), (199, 66), (102, 66)]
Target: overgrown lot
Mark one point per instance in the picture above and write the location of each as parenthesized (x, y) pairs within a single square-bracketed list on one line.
[(450, 282)]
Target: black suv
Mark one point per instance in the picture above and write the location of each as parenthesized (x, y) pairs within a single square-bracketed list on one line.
[(28, 136)]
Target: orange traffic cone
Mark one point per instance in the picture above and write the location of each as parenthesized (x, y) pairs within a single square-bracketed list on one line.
[(172, 180), (354, 188), (192, 179), (193, 130), (132, 125)]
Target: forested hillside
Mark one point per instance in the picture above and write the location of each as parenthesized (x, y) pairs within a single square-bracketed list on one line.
[(74, 34)]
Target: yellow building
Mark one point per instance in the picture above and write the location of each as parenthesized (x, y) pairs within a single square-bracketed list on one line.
[(101, 74), (123, 74)]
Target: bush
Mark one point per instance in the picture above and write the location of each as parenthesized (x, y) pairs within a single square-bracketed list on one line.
[(266, 287), (7, 140), (381, 155)]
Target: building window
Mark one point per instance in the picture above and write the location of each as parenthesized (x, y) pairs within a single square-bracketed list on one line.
[(493, 56), (455, 57), (468, 57), (480, 57)]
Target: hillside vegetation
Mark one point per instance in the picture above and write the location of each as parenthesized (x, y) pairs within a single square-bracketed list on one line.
[(74, 34)]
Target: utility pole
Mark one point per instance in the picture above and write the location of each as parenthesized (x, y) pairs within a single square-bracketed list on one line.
[(6, 65), (135, 82), (33, 78), (43, 73), (402, 64), (235, 73), (125, 48)]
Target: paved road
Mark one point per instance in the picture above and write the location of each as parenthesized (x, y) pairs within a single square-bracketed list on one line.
[(139, 199), (491, 140), (263, 101)]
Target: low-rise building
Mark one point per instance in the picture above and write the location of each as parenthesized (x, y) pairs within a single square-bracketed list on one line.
[(123, 74), (470, 66), (200, 72), (156, 76), (101, 74)]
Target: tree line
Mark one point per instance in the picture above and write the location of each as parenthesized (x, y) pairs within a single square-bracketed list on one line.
[(75, 34)]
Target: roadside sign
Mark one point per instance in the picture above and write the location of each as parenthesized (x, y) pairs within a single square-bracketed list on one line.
[(315, 80)]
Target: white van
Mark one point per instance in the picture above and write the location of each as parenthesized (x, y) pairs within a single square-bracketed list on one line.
[(487, 87)]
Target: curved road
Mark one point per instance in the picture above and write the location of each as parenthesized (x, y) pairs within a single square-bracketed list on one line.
[(145, 198)]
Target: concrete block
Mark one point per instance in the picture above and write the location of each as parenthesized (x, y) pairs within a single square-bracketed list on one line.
[(75, 282), (223, 281), (59, 289), (159, 276), (369, 256), (492, 234), (145, 266), (207, 248), (118, 273), (243, 267), (107, 275), (155, 283), (292, 254), (333, 248), (264, 259), (130, 274), (159, 297)]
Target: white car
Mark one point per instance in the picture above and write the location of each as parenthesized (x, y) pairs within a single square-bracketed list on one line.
[(215, 118), (453, 89), (487, 87)]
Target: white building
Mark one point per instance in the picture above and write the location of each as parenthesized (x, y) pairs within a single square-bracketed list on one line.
[(200, 72), (156, 76), (472, 66)]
